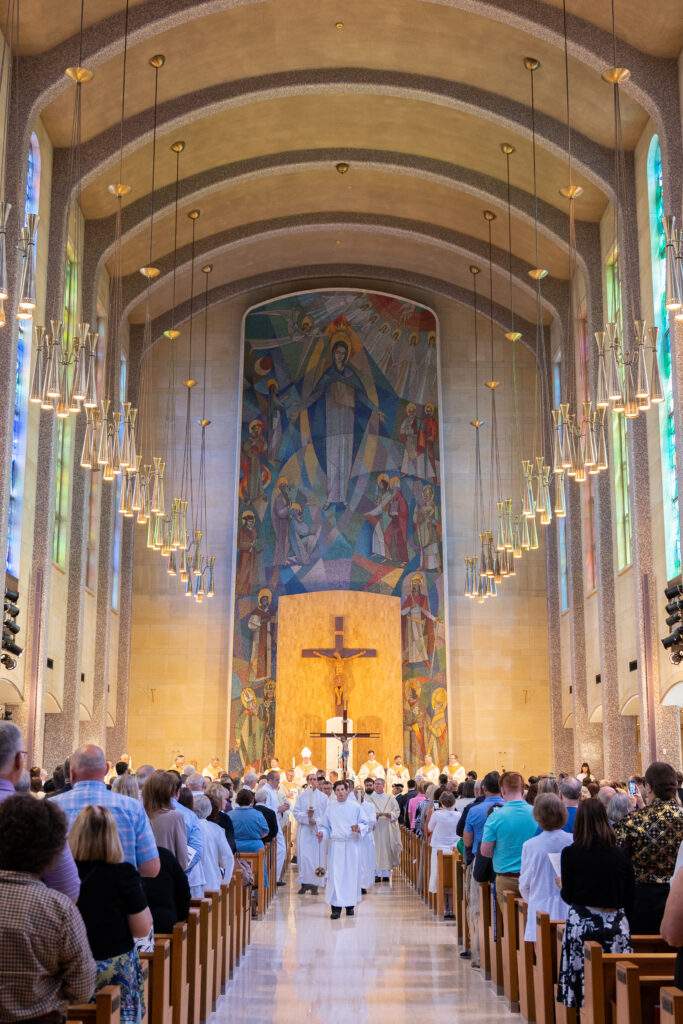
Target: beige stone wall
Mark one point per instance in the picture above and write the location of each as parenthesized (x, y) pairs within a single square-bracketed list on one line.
[(498, 651)]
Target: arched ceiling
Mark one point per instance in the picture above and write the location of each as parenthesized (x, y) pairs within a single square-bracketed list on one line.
[(417, 96)]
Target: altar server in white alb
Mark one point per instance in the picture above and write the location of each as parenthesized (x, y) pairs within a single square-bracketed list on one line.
[(309, 812), (387, 833), (367, 850), (273, 801), (344, 826)]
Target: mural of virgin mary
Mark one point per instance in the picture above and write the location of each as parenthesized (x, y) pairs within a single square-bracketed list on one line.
[(339, 410)]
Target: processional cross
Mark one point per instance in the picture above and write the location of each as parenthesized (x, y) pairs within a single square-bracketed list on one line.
[(338, 656)]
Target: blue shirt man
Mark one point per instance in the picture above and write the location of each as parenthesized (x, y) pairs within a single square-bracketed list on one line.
[(479, 813), (88, 769)]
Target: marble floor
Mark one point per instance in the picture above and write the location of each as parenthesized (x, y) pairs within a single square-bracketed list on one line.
[(391, 963)]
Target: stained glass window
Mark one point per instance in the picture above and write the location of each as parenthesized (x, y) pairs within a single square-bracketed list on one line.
[(667, 433), (561, 522), (20, 420), (65, 428), (620, 469), (118, 522)]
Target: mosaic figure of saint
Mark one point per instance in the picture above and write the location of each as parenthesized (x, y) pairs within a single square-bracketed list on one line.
[(379, 516), (412, 438), (280, 516), (248, 569), (261, 624), (417, 625), (253, 470), (396, 533), (303, 538), (426, 524), (250, 729)]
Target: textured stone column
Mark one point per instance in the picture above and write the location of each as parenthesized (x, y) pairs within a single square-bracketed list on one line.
[(117, 735), (563, 742), (37, 611)]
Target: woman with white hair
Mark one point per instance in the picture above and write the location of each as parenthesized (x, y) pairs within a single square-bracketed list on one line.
[(217, 859)]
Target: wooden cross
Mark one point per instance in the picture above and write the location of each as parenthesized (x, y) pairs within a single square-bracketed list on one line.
[(338, 651), (345, 736)]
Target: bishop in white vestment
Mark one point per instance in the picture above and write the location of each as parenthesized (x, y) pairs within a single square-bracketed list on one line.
[(387, 833), (344, 827), (309, 812), (272, 800)]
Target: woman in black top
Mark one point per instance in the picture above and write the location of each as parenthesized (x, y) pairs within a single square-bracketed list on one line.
[(168, 894), (599, 885), (113, 906)]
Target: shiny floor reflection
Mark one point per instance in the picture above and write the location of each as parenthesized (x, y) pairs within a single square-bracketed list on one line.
[(393, 962)]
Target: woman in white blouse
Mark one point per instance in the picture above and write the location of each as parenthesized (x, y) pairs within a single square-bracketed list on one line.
[(537, 883), (443, 835)]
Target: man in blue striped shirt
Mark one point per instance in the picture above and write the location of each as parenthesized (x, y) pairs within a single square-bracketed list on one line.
[(88, 769)]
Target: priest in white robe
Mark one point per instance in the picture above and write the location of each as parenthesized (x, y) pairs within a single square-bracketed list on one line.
[(367, 856), (387, 833), (272, 800), (344, 827), (309, 812), (371, 769)]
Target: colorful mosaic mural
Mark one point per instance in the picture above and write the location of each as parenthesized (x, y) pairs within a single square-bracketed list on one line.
[(339, 489)]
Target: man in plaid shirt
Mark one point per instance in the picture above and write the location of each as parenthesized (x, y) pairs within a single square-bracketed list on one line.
[(88, 769)]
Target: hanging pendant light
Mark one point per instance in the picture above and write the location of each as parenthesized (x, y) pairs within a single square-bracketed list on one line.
[(37, 378), (656, 393)]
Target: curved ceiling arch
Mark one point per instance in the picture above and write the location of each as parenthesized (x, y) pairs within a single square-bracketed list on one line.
[(371, 109), (471, 194), (315, 276), (588, 44), (296, 234)]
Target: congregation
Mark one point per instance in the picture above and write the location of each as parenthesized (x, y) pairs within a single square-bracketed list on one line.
[(97, 859)]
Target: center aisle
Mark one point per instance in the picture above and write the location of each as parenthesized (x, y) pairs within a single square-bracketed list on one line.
[(393, 962)]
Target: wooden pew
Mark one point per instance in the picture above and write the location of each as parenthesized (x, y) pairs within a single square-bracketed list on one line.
[(216, 945), (144, 967), (105, 1010), (600, 978), (525, 963), (444, 882), (495, 946), (637, 993), (459, 896), (671, 1005), (509, 944), (563, 1014), (194, 967), (159, 962), (206, 960), (226, 929), (234, 908), (180, 986), (484, 928), (258, 866), (545, 969)]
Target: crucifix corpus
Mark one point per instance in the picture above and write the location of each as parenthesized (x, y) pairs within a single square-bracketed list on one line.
[(338, 656), (344, 738)]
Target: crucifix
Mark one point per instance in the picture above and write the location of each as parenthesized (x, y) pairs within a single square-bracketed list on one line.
[(345, 738), (337, 656)]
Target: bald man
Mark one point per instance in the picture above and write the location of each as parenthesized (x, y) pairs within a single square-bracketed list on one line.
[(88, 769)]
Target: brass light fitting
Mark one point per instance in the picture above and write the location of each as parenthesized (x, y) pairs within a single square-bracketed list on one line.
[(507, 148), (79, 74), (207, 268), (513, 335), (150, 272), (538, 273), (339, 25), (491, 384), (531, 63), (119, 189), (190, 383), (177, 147), (616, 76), (157, 61), (194, 214), (571, 191), (342, 167), (172, 333), (490, 215), (204, 422)]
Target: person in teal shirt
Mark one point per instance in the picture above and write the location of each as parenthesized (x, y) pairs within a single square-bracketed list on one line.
[(505, 833)]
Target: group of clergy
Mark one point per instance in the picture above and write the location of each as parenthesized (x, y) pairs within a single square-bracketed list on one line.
[(349, 839)]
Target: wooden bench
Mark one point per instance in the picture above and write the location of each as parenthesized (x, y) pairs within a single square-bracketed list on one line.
[(205, 908), (159, 962), (525, 963), (545, 968), (460, 896), (637, 993), (494, 943), (105, 1010), (257, 860), (484, 928), (194, 966), (509, 944), (444, 882), (180, 986), (600, 977), (671, 1005)]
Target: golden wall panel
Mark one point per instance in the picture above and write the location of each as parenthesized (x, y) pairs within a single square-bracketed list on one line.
[(304, 685)]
